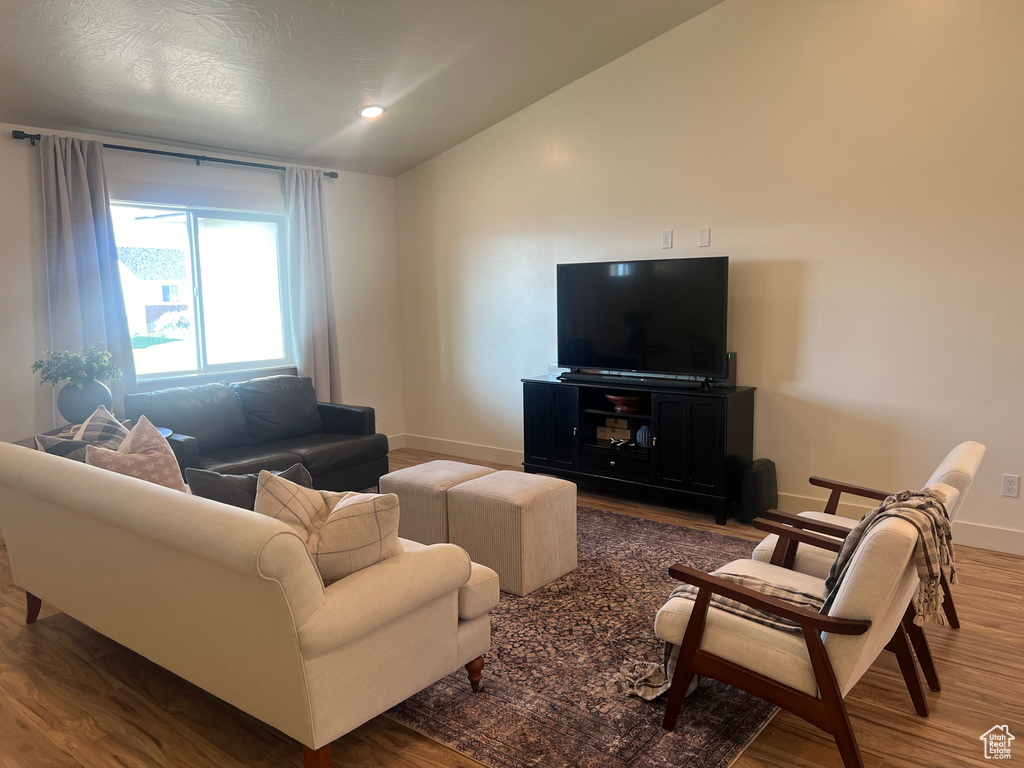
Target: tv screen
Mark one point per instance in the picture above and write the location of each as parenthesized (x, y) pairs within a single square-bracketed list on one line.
[(659, 316)]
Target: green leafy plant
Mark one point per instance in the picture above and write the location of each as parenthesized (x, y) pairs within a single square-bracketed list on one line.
[(75, 368)]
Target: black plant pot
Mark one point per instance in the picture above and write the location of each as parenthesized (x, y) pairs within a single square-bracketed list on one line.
[(77, 404)]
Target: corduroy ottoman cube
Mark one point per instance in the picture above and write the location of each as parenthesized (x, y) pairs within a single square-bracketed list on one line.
[(522, 526), (422, 499)]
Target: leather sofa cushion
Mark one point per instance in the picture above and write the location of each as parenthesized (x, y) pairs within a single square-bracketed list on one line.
[(246, 459), (238, 490), (279, 407), (210, 413), (327, 451)]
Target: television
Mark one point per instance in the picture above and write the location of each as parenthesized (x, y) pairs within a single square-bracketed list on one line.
[(660, 316)]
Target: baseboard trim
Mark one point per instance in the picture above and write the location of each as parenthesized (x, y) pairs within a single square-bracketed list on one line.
[(991, 537), (396, 441), (463, 450)]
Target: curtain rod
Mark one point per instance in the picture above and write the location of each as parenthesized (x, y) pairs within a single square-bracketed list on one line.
[(34, 137)]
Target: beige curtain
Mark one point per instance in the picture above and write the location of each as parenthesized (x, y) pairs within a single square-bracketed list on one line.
[(86, 302), (314, 331)]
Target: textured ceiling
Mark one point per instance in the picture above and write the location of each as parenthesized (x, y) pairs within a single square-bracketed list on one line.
[(283, 79)]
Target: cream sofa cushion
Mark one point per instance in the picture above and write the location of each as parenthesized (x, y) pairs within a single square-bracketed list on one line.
[(344, 532), (144, 453)]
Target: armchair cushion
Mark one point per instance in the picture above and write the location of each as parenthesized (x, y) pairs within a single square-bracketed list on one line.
[(344, 532), (279, 407), (774, 653), (810, 560)]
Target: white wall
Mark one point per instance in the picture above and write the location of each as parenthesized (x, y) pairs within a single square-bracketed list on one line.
[(361, 219), (861, 165)]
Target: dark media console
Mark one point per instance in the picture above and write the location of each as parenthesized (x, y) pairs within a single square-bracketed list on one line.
[(694, 448)]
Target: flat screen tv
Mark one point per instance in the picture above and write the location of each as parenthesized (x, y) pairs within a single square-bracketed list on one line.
[(665, 316)]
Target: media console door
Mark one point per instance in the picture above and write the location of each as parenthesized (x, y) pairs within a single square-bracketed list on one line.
[(689, 448), (551, 414)]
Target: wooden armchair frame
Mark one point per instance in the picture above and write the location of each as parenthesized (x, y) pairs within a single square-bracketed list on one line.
[(827, 712)]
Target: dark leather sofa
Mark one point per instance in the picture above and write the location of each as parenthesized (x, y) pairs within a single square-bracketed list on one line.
[(269, 423)]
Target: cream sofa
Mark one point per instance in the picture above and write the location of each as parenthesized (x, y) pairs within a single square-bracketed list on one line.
[(231, 601)]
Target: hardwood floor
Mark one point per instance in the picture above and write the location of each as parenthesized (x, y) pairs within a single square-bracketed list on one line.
[(71, 698)]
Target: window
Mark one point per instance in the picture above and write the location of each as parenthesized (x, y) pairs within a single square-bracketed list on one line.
[(204, 290)]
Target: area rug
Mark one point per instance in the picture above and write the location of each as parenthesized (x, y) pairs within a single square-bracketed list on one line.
[(548, 700)]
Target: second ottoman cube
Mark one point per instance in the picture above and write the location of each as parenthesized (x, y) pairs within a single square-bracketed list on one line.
[(523, 526), (422, 496)]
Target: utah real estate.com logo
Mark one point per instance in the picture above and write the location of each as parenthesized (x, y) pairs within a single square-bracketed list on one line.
[(997, 742)]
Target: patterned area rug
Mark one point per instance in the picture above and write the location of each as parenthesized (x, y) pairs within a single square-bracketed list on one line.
[(547, 700)]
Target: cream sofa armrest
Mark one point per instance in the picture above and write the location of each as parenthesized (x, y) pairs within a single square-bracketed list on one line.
[(285, 559), (373, 597)]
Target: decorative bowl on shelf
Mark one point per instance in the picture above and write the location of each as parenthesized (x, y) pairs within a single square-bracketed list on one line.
[(623, 404)]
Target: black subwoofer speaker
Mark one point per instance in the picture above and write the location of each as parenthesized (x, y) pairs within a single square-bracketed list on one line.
[(759, 490)]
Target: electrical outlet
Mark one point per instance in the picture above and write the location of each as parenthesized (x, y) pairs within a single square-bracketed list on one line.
[(666, 238), (1011, 486)]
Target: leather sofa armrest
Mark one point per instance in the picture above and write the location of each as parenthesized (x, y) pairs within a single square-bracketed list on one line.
[(186, 450), (369, 599), (347, 419)]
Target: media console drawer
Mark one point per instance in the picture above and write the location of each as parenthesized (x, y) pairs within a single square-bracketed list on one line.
[(615, 463)]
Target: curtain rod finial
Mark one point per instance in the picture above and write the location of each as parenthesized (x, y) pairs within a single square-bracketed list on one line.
[(21, 136)]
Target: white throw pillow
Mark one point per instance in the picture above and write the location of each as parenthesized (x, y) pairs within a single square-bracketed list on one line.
[(344, 532)]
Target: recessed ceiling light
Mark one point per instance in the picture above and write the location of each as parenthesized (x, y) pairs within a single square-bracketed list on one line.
[(371, 112)]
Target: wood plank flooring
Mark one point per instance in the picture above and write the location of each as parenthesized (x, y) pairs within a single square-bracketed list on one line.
[(71, 698)]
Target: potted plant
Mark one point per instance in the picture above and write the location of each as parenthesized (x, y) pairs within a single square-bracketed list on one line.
[(85, 374)]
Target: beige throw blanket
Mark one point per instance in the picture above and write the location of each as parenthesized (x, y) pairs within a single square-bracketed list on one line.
[(926, 511)]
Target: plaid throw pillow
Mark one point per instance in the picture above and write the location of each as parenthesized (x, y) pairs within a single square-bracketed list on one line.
[(344, 532), (102, 429)]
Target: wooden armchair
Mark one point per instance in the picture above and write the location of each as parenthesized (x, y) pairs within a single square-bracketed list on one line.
[(956, 470), (792, 530), (807, 673)]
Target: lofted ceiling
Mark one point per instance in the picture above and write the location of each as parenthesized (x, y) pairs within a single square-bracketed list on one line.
[(284, 78)]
